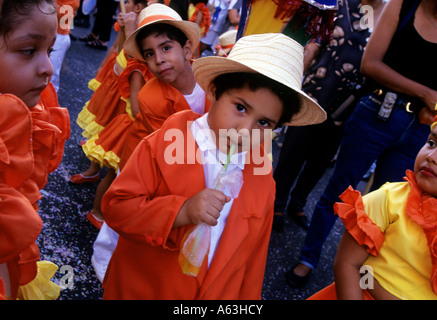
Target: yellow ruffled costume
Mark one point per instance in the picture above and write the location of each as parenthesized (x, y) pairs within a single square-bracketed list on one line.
[(41, 288)]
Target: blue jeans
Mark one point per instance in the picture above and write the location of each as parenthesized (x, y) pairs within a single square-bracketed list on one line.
[(393, 144)]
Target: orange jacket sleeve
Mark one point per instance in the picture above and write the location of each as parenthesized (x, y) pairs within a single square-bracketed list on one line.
[(130, 207)]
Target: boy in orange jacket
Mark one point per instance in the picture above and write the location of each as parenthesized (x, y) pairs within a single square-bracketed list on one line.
[(168, 183), (166, 43)]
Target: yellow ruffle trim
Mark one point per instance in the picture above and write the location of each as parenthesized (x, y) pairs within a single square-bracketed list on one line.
[(41, 288), (85, 117), (85, 120), (93, 84), (121, 59), (128, 107), (97, 154)]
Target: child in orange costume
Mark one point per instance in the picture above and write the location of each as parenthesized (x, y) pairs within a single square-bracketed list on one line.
[(153, 202), (167, 46), (66, 9), (33, 130), (199, 13), (391, 232), (108, 100), (161, 30)]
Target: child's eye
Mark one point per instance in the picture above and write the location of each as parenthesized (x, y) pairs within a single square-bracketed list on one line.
[(50, 51), (148, 55), (240, 107), (28, 52), (264, 123), (431, 143), (166, 48)]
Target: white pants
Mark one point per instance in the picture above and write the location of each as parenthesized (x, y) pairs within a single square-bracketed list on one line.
[(62, 44)]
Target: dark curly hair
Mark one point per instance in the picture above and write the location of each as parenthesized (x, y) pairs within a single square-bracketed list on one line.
[(14, 11)]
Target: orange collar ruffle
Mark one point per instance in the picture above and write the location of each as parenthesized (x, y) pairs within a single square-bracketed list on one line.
[(31, 142), (422, 209)]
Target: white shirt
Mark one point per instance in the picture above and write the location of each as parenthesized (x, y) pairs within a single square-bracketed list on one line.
[(196, 99), (212, 160)]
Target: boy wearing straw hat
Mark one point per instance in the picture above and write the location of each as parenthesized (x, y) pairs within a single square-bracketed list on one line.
[(166, 44), (155, 200)]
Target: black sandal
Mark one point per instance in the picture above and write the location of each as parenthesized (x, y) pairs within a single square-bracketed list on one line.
[(88, 38), (97, 44)]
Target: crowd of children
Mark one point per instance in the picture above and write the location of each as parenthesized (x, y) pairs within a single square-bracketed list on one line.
[(178, 134)]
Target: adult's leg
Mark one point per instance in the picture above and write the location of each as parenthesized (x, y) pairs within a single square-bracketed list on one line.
[(290, 161), (103, 23), (393, 163), (321, 150)]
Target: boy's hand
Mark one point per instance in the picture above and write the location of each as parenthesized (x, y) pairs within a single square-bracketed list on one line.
[(128, 21), (205, 207)]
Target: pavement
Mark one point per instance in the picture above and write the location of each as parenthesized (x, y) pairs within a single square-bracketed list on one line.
[(67, 236)]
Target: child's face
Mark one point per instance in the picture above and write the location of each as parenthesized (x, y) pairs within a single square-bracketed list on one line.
[(132, 7), (242, 116), (166, 59), (425, 167), (25, 55)]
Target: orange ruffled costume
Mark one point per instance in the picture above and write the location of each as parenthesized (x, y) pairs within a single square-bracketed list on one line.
[(106, 101), (31, 146), (398, 226), (107, 146)]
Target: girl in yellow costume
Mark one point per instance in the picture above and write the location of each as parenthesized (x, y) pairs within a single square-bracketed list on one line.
[(392, 233), (33, 131)]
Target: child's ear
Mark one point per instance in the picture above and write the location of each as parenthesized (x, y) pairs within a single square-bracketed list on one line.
[(138, 7), (188, 50), (210, 92)]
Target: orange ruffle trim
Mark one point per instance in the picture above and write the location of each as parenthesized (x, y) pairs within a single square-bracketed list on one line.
[(356, 221), (206, 21), (422, 209)]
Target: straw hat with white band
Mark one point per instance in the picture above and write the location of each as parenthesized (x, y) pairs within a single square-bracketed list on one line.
[(160, 13), (227, 41), (273, 55)]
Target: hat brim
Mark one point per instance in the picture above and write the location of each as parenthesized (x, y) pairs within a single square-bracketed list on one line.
[(208, 68), (190, 29)]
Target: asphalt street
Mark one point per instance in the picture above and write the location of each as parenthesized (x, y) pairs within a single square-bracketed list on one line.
[(67, 236)]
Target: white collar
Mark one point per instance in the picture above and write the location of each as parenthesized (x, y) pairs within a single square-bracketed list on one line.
[(202, 134)]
